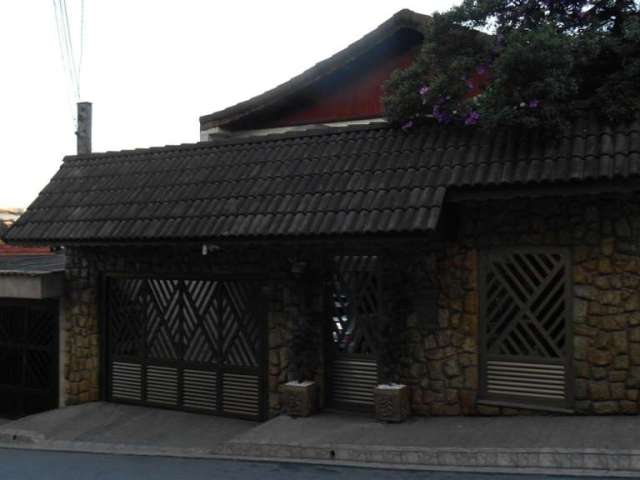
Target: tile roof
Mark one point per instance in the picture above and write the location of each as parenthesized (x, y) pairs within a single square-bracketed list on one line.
[(31, 264), (334, 181), (404, 19)]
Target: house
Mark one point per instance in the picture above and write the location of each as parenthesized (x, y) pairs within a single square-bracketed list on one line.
[(9, 215), (492, 272), (31, 284)]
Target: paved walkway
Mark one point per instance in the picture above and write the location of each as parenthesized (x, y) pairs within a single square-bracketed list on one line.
[(543, 444)]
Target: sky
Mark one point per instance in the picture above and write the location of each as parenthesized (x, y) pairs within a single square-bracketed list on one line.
[(151, 68)]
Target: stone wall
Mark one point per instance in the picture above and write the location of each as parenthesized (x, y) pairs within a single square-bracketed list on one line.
[(81, 333), (84, 266), (443, 360), (602, 236)]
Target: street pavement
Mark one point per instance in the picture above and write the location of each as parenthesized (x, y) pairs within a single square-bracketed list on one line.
[(41, 465)]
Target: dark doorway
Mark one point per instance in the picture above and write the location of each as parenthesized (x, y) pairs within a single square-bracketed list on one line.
[(354, 317), (28, 356)]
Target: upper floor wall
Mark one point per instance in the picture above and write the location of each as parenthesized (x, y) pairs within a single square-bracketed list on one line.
[(347, 87)]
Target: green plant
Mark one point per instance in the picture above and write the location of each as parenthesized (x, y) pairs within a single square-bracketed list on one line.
[(531, 63), (303, 349), (392, 329)]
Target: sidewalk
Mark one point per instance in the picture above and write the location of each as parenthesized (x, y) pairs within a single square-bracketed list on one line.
[(117, 424), (604, 446)]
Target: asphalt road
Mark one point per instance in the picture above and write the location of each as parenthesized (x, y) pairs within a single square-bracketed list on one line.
[(40, 465)]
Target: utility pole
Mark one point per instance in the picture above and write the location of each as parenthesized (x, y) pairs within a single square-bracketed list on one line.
[(84, 128)]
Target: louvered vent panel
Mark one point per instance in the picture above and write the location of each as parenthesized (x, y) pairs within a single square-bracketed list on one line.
[(241, 394), (532, 380), (200, 389), (354, 381), (162, 385), (126, 381)]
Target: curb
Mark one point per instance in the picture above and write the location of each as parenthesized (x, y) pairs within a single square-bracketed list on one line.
[(596, 460), (20, 436), (585, 462)]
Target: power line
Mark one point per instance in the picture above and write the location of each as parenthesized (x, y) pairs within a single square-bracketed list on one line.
[(69, 45), (71, 67), (82, 39), (63, 59)]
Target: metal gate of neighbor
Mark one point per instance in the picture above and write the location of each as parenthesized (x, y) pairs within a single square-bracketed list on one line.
[(526, 327), (188, 344), (28, 356), (356, 295)]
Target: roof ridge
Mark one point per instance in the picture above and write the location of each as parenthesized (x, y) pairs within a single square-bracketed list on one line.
[(238, 140), (330, 130)]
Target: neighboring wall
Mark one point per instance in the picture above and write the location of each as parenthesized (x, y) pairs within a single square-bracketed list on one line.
[(602, 236), (84, 265)]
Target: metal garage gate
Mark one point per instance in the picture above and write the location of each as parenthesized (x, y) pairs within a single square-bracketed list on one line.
[(187, 344), (28, 356)]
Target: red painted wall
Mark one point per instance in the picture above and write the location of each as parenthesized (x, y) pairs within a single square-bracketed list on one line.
[(10, 250), (357, 98)]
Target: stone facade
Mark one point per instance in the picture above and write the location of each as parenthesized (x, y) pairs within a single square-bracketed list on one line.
[(602, 236), (440, 353), (81, 331)]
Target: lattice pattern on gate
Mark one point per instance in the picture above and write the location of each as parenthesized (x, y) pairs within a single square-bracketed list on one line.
[(356, 299), (178, 342), (526, 319)]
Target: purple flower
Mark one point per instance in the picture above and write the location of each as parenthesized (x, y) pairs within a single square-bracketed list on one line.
[(442, 116), (407, 125), (424, 89), (535, 103), (472, 118), (481, 69)]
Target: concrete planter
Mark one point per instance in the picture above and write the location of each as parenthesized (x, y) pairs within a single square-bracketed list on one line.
[(301, 398), (392, 402)]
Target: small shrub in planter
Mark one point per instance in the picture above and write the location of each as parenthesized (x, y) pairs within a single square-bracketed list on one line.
[(302, 393), (391, 399), (301, 398), (392, 402)]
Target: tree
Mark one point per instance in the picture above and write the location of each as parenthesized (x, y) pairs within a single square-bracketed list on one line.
[(522, 62)]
